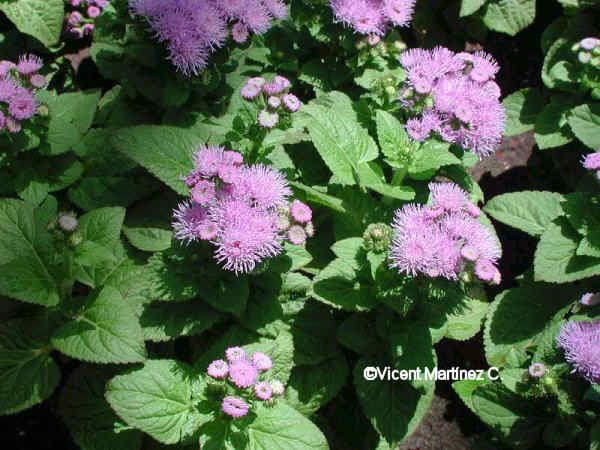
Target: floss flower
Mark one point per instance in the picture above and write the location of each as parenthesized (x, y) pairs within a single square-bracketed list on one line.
[(80, 16), (243, 380), (443, 239), (373, 17), (580, 343), (272, 97), (193, 29), (18, 83), (592, 162), (454, 95), (236, 207)]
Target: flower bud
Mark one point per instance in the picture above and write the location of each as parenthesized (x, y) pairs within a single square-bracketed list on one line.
[(377, 237)]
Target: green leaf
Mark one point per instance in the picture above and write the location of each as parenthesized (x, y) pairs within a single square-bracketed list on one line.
[(157, 399), (71, 115), (229, 294), (585, 123), (165, 321), (551, 126), (393, 139), (311, 387), (281, 351), (461, 317), (42, 19), (522, 110), (164, 151), (98, 192), (509, 16), (556, 259), (430, 157), (534, 305), (91, 421), (26, 253), (529, 211), (595, 436), (91, 254), (404, 193), (28, 375), (103, 225), (468, 7), (105, 331), (149, 239), (282, 427)]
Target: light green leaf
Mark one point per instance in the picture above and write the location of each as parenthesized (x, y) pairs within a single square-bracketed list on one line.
[(150, 239), (509, 16), (91, 421), (165, 321), (529, 211), (98, 192), (283, 428), (42, 19), (106, 331), (393, 139), (556, 259), (28, 375), (551, 126), (522, 109), (430, 157), (164, 151), (103, 225), (468, 7), (404, 193), (157, 399), (585, 123), (91, 254), (26, 254)]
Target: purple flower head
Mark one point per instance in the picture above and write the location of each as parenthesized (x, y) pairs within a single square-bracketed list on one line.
[(88, 29), (263, 390), (93, 12), (2, 121), (218, 369), (399, 12), (417, 129), (235, 354), (233, 158), (242, 374), (261, 361), (240, 32), (208, 160), (5, 67), (74, 18), (272, 88), (274, 102), (537, 370), (300, 212), (485, 270), (282, 82), (291, 103), (473, 210), (67, 222), (203, 192), (12, 125), (373, 40), (230, 174), (258, 81), (448, 196), (29, 64), (75, 2), (268, 119), (296, 235), (580, 343), (8, 89), (250, 91), (484, 68), (234, 407), (470, 253), (590, 299), (591, 161), (276, 8), (189, 218), (265, 187), (257, 18), (101, 3), (22, 105), (37, 81), (364, 16), (589, 43)]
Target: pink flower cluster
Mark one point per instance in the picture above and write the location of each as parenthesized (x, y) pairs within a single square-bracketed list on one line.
[(444, 239), (580, 340), (241, 373), (455, 96), (236, 207), (193, 29), (81, 14), (591, 161), (18, 83), (373, 17), (273, 96)]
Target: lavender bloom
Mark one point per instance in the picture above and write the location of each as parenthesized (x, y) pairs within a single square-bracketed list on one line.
[(242, 374), (235, 354), (218, 369), (466, 107), (300, 212), (274, 102), (93, 12), (276, 8), (296, 235), (580, 343), (268, 119), (190, 217), (291, 103), (234, 407), (240, 32), (590, 299), (537, 370), (81, 14), (591, 161), (261, 361), (277, 387), (399, 12), (263, 390), (22, 105), (364, 16), (589, 43), (443, 240), (29, 64)]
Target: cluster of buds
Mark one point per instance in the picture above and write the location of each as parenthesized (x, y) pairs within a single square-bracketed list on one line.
[(377, 237), (79, 21), (18, 83), (295, 220), (273, 98), (542, 380), (65, 228), (592, 162), (240, 380), (588, 51)]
